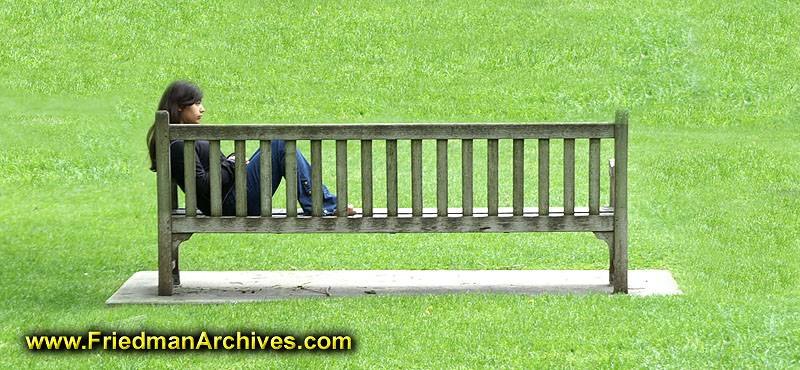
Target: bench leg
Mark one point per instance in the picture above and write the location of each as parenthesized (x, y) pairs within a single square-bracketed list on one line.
[(164, 263), (608, 237), (177, 239), (620, 262)]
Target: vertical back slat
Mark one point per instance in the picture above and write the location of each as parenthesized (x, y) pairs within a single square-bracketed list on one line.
[(174, 193), (544, 177), (611, 181), (466, 176), (241, 178), (594, 176), (341, 178), (189, 180), (491, 176), (391, 177), (416, 177), (316, 178), (569, 176), (366, 178), (215, 178), (290, 162), (441, 177), (266, 177), (519, 176)]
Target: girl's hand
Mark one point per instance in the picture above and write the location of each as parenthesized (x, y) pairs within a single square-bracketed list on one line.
[(232, 157)]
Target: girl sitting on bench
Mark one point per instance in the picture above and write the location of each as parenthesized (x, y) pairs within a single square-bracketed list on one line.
[(184, 102)]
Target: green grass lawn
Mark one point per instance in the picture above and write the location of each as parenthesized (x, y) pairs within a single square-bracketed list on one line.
[(714, 173)]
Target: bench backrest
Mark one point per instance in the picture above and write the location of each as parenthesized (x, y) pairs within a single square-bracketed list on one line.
[(466, 218)]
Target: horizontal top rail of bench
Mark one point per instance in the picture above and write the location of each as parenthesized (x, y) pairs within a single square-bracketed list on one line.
[(391, 131)]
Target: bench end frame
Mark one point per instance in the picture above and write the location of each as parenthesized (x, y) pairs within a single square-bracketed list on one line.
[(620, 259), (163, 174)]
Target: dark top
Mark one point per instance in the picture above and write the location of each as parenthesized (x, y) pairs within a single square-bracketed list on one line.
[(201, 169)]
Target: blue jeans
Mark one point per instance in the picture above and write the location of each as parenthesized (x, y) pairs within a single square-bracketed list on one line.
[(278, 171)]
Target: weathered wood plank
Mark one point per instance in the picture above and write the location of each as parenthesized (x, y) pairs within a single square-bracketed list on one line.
[(290, 162), (306, 224), (544, 175), (316, 178), (391, 177), (454, 212), (569, 176), (441, 176), (266, 177), (164, 192), (189, 179), (491, 176), (466, 176), (416, 177), (341, 178), (621, 202), (594, 176), (519, 176), (215, 178), (174, 192), (393, 131), (241, 177), (366, 177)]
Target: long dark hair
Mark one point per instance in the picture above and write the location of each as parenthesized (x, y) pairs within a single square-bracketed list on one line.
[(178, 95)]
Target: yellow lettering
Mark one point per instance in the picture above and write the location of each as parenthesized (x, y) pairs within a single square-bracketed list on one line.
[(124, 342), (34, 343), (288, 342), (309, 346), (225, 342), (325, 346), (204, 341), (158, 342), (191, 342), (276, 342), (92, 338), (141, 341), (262, 341), (239, 338), (341, 341)]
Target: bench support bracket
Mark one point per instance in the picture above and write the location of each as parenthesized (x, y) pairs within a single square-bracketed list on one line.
[(608, 237), (177, 239)]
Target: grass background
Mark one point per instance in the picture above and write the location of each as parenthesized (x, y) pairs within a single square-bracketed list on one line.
[(712, 91)]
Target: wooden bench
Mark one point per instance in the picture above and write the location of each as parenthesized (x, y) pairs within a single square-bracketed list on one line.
[(610, 224)]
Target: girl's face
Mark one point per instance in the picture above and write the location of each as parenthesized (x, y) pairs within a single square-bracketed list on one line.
[(193, 113)]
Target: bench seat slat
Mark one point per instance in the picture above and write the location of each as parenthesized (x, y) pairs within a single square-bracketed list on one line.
[(306, 224), (451, 212)]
